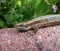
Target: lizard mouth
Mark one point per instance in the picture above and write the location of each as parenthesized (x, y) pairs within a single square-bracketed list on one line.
[(22, 27)]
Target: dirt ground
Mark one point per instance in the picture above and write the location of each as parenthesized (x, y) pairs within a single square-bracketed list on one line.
[(45, 39)]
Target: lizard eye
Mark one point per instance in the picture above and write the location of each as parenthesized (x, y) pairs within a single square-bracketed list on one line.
[(23, 25), (26, 26)]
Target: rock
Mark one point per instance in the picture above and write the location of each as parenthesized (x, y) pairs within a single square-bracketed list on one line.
[(45, 39)]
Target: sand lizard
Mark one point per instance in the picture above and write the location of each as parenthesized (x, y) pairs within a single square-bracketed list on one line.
[(42, 21)]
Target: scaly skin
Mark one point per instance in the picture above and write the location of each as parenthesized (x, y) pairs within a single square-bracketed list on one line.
[(42, 21)]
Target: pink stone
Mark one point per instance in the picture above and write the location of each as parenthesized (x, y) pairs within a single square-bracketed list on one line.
[(45, 39)]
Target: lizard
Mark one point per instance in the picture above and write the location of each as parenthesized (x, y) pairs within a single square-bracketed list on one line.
[(39, 22)]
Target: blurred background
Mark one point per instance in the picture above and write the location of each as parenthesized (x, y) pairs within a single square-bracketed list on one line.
[(15, 11)]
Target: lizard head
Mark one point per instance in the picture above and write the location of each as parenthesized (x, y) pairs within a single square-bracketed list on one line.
[(22, 26)]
